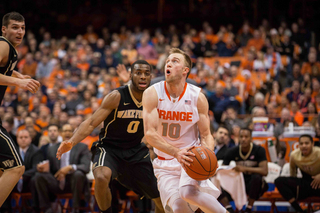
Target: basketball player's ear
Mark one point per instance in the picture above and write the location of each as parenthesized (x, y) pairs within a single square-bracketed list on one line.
[(186, 70), (3, 29)]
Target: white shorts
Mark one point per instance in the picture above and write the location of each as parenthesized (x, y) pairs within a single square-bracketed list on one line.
[(171, 176)]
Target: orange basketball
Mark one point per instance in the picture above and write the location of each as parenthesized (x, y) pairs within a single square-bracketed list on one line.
[(204, 164)]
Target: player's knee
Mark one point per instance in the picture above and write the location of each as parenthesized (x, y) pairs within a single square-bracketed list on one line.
[(18, 171), (102, 177), (187, 193)]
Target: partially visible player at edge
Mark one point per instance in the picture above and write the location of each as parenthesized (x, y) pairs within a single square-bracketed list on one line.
[(119, 152), (174, 113), (11, 165)]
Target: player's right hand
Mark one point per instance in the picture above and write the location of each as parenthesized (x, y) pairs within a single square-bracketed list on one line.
[(64, 147), (182, 156), (29, 84)]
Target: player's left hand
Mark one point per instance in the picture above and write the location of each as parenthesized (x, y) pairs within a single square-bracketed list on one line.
[(64, 147), (315, 184), (182, 157), (239, 168)]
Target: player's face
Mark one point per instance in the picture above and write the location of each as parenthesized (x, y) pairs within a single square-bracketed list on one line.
[(14, 32), (24, 139), (305, 146), (175, 68), (141, 76), (245, 138)]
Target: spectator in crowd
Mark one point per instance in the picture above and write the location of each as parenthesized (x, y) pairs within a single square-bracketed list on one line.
[(30, 66), (245, 35), (251, 160), (306, 158), (65, 176), (295, 93), (44, 67), (308, 67), (230, 118), (146, 50), (222, 139)]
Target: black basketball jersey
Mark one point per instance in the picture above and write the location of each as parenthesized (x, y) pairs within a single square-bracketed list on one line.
[(123, 128), (8, 68)]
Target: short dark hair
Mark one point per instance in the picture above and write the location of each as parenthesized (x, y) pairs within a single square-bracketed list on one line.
[(223, 127), (246, 129), (186, 58), (140, 62), (53, 124), (306, 135), (11, 16)]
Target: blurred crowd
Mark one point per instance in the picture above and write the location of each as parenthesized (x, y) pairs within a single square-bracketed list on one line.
[(268, 71), (272, 71)]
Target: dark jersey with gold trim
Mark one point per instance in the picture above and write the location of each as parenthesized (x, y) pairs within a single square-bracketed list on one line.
[(123, 128), (8, 68)]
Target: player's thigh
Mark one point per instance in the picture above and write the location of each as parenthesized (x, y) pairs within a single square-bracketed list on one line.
[(105, 163), (140, 177), (9, 154)]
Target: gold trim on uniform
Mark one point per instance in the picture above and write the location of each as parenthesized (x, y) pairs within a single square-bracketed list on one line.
[(14, 152), (244, 157), (138, 104), (106, 129)]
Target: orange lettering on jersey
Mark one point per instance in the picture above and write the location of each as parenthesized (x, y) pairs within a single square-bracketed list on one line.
[(169, 115), (162, 114), (189, 116), (183, 116), (175, 115)]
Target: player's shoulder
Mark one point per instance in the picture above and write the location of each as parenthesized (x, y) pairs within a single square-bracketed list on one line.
[(4, 47), (113, 98), (295, 153)]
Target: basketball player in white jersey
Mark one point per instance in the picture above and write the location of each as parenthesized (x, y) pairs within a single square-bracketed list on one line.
[(174, 113)]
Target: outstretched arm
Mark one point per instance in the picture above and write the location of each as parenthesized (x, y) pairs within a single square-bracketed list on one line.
[(206, 138), (109, 103), (16, 78), (151, 123)]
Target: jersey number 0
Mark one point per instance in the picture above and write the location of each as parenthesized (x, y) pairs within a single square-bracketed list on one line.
[(133, 126)]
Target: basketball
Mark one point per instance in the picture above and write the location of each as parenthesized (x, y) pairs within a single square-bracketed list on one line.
[(204, 163)]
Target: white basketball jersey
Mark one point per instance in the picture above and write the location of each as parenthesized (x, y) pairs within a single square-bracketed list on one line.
[(178, 117)]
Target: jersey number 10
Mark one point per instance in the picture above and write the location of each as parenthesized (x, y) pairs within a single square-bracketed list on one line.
[(171, 130)]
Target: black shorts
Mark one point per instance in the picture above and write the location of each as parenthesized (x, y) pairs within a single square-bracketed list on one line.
[(131, 167), (9, 154)]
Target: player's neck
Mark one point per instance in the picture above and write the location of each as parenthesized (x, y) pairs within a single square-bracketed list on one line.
[(175, 89), (136, 93)]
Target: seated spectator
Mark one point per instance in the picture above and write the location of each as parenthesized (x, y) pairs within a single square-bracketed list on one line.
[(65, 176), (285, 119), (295, 93), (306, 158), (274, 59), (312, 63), (222, 139), (257, 41), (296, 75), (306, 83), (244, 36), (230, 119), (30, 66), (296, 114), (305, 99), (274, 96), (251, 160), (146, 50)]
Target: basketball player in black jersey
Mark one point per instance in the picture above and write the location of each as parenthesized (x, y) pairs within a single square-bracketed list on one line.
[(119, 152), (11, 165)]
